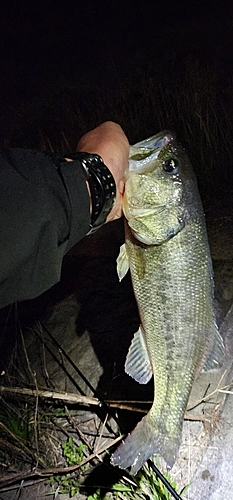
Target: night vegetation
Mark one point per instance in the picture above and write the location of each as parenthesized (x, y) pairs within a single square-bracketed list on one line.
[(188, 97)]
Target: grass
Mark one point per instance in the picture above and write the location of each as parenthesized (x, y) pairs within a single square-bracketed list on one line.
[(24, 432), (185, 96), (18, 447), (68, 483), (17, 419), (145, 485), (32, 437)]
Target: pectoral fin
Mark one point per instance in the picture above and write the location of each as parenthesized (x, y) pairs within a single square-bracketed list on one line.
[(122, 263), (216, 354), (138, 364)]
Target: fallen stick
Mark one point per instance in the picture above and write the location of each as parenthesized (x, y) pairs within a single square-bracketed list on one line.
[(63, 396)]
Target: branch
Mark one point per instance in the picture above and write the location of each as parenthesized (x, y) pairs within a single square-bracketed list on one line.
[(64, 396)]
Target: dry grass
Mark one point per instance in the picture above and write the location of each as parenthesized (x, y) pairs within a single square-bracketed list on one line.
[(186, 96)]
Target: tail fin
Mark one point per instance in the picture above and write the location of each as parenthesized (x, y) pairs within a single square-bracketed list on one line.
[(141, 444)]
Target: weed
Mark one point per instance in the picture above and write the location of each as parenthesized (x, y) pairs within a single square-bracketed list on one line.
[(74, 454), (66, 484), (144, 486), (17, 418)]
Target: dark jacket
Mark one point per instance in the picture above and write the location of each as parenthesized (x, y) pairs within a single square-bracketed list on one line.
[(44, 211)]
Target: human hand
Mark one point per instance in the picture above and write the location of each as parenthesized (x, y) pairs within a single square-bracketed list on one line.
[(110, 142)]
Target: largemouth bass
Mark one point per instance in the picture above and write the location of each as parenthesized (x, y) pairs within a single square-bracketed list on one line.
[(167, 250)]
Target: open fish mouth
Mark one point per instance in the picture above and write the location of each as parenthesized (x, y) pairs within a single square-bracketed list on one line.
[(145, 153), (142, 160), (157, 141)]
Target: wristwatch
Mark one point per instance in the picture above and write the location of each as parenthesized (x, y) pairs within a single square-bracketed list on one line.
[(102, 187)]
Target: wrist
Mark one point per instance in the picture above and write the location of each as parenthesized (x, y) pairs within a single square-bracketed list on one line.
[(88, 188), (101, 187)]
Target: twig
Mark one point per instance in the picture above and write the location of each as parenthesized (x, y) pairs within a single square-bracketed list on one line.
[(187, 415), (66, 141), (13, 449), (25, 448), (198, 418), (64, 396), (76, 428), (127, 407), (100, 436), (26, 484), (76, 398), (33, 374), (47, 377), (218, 389), (36, 415), (6, 480)]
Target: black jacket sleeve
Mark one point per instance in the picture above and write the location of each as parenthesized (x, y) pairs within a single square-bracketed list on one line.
[(44, 211)]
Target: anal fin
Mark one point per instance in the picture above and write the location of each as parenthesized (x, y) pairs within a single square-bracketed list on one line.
[(138, 364), (216, 354)]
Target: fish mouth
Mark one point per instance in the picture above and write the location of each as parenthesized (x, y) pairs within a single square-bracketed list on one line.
[(145, 153), (157, 141)]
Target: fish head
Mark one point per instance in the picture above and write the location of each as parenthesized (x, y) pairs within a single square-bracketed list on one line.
[(155, 198)]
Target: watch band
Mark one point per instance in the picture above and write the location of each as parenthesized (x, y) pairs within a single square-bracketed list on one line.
[(102, 186)]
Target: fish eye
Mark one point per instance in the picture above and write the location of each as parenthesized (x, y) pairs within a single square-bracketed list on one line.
[(171, 166)]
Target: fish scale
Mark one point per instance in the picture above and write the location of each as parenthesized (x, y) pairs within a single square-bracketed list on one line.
[(166, 249)]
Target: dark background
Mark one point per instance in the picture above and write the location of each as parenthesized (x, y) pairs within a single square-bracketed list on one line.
[(43, 42), (68, 65), (95, 44)]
